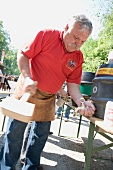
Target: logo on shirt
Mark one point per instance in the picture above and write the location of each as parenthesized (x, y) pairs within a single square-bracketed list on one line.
[(71, 64)]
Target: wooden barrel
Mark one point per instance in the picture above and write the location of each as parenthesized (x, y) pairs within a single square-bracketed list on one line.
[(87, 76), (102, 89)]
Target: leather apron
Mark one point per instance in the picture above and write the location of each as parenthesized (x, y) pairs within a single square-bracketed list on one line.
[(44, 102)]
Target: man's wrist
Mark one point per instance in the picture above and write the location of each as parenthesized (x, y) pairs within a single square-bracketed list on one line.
[(80, 101), (27, 77)]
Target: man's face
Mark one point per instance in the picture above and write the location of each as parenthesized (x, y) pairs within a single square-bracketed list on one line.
[(74, 37)]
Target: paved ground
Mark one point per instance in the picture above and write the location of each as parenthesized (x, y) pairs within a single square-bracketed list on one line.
[(66, 152)]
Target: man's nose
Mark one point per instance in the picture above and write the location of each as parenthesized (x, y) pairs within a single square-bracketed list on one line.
[(79, 43)]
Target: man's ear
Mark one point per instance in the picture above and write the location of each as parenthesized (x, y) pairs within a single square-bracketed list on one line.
[(66, 27)]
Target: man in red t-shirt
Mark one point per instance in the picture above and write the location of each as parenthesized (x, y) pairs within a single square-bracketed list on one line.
[(46, 62)]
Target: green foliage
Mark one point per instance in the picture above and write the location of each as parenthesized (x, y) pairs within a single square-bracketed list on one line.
[(106, 35), (96, 51), (4, 39), (91, 59), (10, 53), (10, 61)]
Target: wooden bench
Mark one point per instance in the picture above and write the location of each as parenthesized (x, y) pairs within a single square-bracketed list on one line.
[(103, 129)]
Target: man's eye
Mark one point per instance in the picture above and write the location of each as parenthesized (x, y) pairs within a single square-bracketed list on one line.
[(76, 38), (83, 42)]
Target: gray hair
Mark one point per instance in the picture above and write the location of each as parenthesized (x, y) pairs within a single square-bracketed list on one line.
[(84, 22)]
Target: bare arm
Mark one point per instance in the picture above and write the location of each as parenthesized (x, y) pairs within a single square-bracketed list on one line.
[(74, 91), (23, 65)]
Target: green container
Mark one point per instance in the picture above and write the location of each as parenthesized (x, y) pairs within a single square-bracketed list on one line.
[(86, 88)]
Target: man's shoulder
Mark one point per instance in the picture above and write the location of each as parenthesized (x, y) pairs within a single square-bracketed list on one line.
[(52, 32)]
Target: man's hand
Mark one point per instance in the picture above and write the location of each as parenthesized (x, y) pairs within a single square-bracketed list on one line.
[(30, 85), (88, 109), (63, 93)]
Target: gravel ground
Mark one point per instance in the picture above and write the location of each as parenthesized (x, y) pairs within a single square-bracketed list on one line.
[(66, 152)]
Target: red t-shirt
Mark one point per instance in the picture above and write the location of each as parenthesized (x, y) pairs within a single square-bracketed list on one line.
[(50, 64)]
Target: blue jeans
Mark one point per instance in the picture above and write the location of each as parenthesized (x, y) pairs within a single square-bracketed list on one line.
[(59, 111), (24, 141), (67, 111)]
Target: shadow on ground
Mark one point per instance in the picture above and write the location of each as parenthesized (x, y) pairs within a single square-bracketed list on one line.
[(71, 154), (66, 153)]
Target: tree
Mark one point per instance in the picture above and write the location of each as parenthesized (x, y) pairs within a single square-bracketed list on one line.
[(91, 59), (96, 51), (4, 39), (106, 35), (10, 61), (10, 52)]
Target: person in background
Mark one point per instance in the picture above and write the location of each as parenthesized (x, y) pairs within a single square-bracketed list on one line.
[(6, 82), (46, 62), (67, 113), (3, 82), (63, 93)]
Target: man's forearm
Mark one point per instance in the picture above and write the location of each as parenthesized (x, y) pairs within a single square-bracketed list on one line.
[(23, 64), (74, 91)]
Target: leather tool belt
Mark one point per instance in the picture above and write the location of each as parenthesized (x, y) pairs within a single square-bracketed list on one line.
[(44, 102)]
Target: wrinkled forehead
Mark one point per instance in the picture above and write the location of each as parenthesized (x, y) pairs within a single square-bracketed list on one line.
[(82, 35), (80, 27)]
